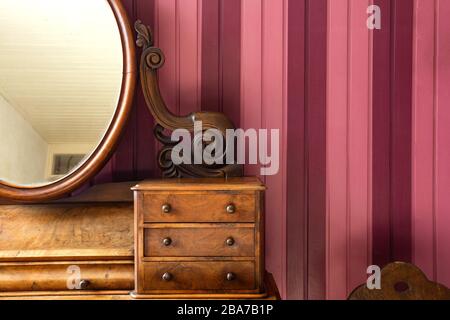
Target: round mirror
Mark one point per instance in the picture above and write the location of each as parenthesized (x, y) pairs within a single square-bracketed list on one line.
[(66, 84)]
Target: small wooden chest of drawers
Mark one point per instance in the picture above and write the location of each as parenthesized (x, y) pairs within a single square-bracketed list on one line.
[(199, 238)]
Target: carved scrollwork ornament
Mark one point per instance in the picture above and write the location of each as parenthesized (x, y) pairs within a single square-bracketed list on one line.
[(151, 60)]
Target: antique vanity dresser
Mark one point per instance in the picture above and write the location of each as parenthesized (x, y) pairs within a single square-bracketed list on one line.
[(200, 238), (197, 233)]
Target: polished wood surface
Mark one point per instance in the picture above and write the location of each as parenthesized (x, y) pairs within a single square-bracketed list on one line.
[(66, 231), (199, 277), (38, 243), (402, 281), (199, 207), (194, 240), (106, 148), (198, 250), (270, 285), (202, 184), (53, 276)]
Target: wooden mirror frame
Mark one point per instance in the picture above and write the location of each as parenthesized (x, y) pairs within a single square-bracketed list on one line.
[(105, 149)]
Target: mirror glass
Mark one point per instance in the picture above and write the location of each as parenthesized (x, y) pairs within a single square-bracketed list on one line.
[(61, 69)]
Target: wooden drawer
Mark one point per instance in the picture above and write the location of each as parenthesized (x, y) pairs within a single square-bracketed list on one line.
[(198, 207), (55, 276), (225, 275), (195, 240)]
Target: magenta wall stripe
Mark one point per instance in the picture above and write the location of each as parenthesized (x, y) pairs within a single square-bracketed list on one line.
[(431, 142), (297, 223)]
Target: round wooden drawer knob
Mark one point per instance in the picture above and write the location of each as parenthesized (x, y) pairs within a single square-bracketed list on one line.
[(230, 241), (167, 276), (231, 208), (84, 284), (231, 276), (167, 242), (166, 208)]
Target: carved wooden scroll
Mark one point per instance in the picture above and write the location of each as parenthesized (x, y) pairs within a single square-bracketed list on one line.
[(151, 60)]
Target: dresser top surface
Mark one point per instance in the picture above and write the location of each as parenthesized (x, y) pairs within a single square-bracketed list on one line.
[(209, 184)]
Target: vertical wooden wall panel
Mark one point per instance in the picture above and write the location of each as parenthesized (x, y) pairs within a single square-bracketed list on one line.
[(359, 146), (274, 110), (392, 133), (401, 101), (423, 144), (382, 226), (264, 105), (179, 36), (443, 143), (230, 59), (212, 68), (337, 170), (297, 233), (251, 69), (221, 57), (431, 139), (167, 38), (349, 147), (189, 21), (316, 141)]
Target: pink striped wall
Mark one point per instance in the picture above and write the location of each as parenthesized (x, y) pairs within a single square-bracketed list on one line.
[(178, 33), (296, 213), (392, 86), (264, 105), (315, 140), (431, 139), (264, 63), (346, 195), (349, 147)]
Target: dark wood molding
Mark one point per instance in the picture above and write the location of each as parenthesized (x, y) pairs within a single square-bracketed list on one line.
[(107, 146), (151, 60)]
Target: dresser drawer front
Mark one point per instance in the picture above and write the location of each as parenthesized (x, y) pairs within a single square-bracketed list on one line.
[(225, 275), (15, 277), (198, 207), (199, 241)]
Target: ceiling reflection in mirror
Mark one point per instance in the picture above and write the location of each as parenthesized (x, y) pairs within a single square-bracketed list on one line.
[(61, 69)]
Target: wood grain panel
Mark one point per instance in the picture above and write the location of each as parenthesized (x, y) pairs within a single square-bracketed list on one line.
[(199, 207), (74, 231), (199, 241), (115, 275)]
